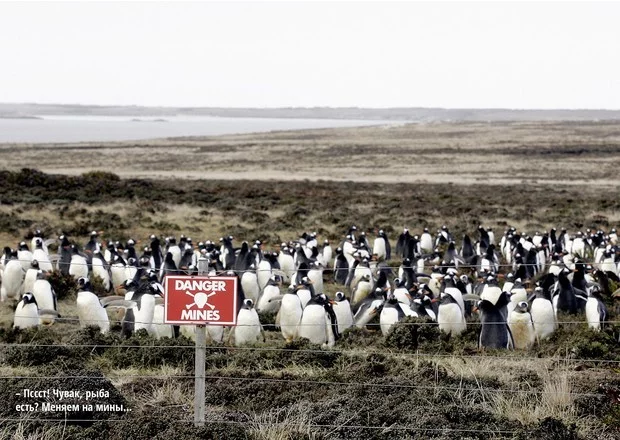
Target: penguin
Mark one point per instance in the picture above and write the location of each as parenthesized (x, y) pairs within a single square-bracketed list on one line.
[(248, 329), (38, 237), (363, 289), (508, 283), (249, 282), (327, 254), (318, 322), (521, 326), (79, 266), (175, 251), (156, 253), (290, 314), (117, 271), (12, 278), (426, 242), (26, 312), (390, 314), (31, 276), (40, 254), (494, 330), (24, 255), (491, 291), (100, 269), (286, 262), (65, 255), (543, 315), (263, 273), (402, 244), (159, 328), (380, 246), (342, 309), (91, 311), (44, 293), (517, 295), (315, 274), (268, 302), (369, 308), (450, 315), (596, 311), (341, 267), (305, 291), (565, 300), (145, 308)]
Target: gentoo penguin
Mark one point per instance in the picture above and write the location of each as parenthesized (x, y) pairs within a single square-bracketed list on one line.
[(31, 276), (44, 293), (290, 314), (65, 254), (315, 274), (175, 250), (381, 246), (248, 329), (494, 330), (268, 301), (543, 315), (12, 278), (41, 255), (286, 261), (91, 311), (26, 312), (363, 288), (450, 315), (369, 308), (38, 237), (521, 326), (426, 242), (79, 265), (566, 298), (305, 291), (318, 322), (263, 272), (491, 291), (24, 255), (100, 269), (509, 283), (249, 282), (342, 309), (390, 314), (596, 311), (327, 254), (517, 295), (341, 267)]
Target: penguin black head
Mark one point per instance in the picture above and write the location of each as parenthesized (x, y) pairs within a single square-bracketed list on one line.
[(522, 307), (84, 284), (23, 246), (34, 264), (28, 298), (340, 296), (248, 304)]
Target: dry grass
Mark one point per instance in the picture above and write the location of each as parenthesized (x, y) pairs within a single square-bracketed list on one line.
[(50, 432), (282, 424)]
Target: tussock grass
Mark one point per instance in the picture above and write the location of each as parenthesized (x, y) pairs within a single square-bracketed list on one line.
[(282, 424)]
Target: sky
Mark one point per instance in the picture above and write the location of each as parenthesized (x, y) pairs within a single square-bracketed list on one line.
[(307, 54)]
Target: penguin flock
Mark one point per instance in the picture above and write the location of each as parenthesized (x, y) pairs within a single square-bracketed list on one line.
[(512, 290)]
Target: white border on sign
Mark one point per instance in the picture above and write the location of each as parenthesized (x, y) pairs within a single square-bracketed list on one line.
[(201, 277)]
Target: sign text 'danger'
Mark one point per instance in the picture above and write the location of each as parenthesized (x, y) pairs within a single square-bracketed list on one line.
[(200, 300)]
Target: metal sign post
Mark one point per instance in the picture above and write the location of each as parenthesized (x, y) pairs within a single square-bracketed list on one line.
[(200, 300), (199, 375)]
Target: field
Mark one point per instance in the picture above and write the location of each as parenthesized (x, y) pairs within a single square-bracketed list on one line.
[(414, 383)]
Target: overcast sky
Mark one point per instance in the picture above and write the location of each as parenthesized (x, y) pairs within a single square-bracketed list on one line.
[(233, 54)]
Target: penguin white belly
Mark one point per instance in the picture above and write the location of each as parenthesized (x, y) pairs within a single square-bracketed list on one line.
[(578, 248), (313, 324), (264, 304), (327, 256), (101, 272), (249, 283), (26, 315), (304, 296), (176, 254), (78, 267), (522, 330), (130, 272), (361, 292), (543, 317), (608, 265), (388, 317), (215, 333), (426, 242), (491, 293), (406, 308), (118, 274), (29, 279), (592, 314), (290, 316), (144, 314), (344, 316), (42, 291), (378, 248), (316, 276), (248, 328), (91, 312), (263, 273), (287, 265), (12, 279), (159, 329), (451, 319), (25, 258)]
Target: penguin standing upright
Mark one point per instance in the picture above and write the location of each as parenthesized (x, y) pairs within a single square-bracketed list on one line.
[(341, 267), (327, 254), (65, 255), (100, 269), (31, 276), (596, 311), (249, 282), (290, 314), (521, 326), (390, 314), (543, 315), (494, 330), (342, 309), (24, 255), (41, 255), (44, 293), (381, 246), (248, 329), (26, 312), (267, 302), (12, 278), (450, 314), (79, 265), (318, 322), (90, 310)]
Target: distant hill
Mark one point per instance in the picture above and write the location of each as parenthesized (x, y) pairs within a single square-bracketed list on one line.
[(405, 113)]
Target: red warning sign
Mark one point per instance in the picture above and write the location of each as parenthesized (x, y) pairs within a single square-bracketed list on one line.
[(200, 300)]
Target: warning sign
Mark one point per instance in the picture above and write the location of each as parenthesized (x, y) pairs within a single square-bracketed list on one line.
[(200, 300)]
